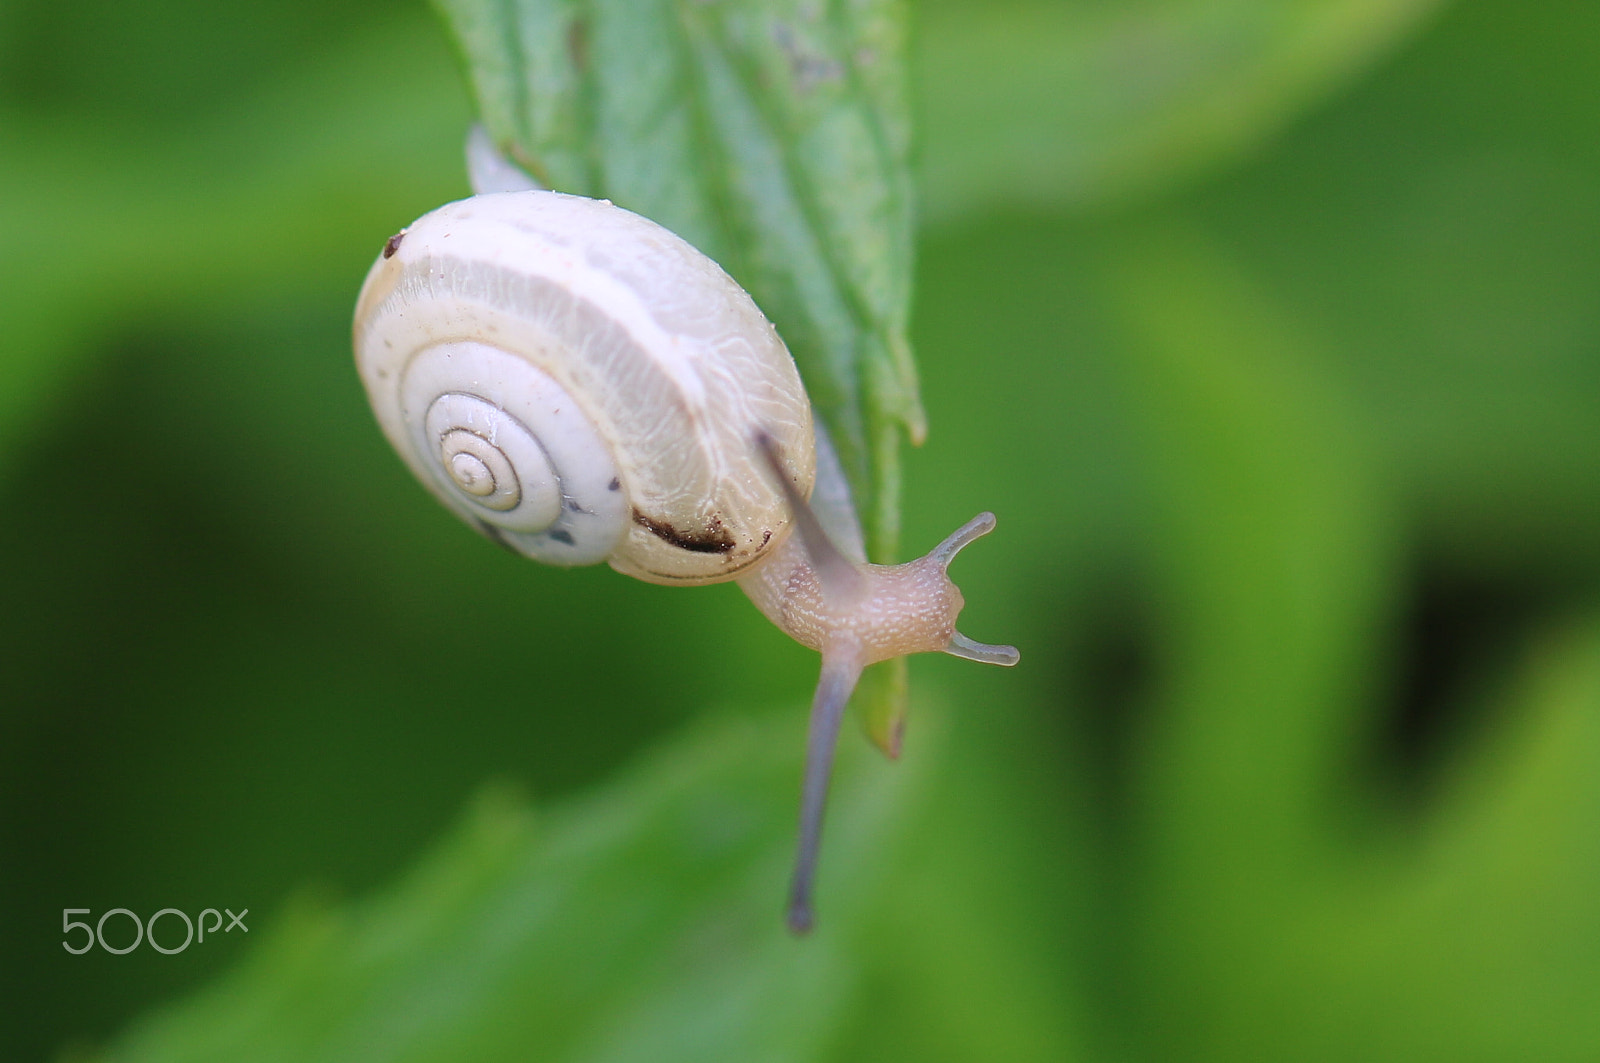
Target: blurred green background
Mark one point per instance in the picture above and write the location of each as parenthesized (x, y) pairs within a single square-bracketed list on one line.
[(1271, 331)]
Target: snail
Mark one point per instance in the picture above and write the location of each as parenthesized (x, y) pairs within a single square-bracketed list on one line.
[(582, 385)]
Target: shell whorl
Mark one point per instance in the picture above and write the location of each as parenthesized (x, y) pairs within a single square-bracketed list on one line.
[(583, 385)]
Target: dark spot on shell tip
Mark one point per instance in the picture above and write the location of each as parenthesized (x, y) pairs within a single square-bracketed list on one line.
[(714, 540), (393, 244), (614, 485)]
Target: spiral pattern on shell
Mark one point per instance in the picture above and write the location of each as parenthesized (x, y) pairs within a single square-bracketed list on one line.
[(583, 385)]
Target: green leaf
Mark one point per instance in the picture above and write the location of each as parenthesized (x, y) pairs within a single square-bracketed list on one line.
[(1078, 102), (772, 135), (643, 922), (1282, 910)]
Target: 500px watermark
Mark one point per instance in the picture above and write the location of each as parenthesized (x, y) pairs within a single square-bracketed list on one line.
[(144, 931)]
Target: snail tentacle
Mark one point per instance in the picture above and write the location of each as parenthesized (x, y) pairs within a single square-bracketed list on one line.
[(840, 672)]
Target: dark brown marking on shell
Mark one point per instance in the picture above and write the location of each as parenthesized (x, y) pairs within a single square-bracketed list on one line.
[(715, 539), (614, 485), (394, 244)]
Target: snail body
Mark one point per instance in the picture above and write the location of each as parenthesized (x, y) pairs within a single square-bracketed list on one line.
[(582, 385)]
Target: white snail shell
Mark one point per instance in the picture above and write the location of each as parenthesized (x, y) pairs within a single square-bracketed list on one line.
[(581, 384)]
